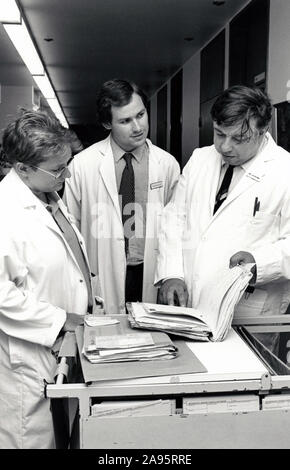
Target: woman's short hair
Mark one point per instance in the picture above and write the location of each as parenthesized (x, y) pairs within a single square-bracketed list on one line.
[(32, 136), (75, 143), (238, 104), (115, 92)]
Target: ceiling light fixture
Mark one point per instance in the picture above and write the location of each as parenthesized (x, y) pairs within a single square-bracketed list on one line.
[(43, 83), (54, 105), (219, 3), (21, 39), (9, 12)]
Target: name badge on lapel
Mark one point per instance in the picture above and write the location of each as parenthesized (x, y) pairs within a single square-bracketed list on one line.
[(158, 184), (253, 177)]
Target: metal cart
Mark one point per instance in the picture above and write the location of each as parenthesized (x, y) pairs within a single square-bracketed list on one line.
[(194, 422)]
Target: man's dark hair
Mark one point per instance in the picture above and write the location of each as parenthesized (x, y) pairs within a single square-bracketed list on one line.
[(33, 135), (116, 92), (238, 104)]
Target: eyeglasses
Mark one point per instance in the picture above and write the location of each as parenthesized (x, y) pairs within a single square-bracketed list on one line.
[(55, 175)]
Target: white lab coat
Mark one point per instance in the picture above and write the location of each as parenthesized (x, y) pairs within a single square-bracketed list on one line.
[(91, 195), (194, 243), (39, 282)]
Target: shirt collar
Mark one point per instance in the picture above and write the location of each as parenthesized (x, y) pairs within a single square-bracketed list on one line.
[(118, 152), (245, 166)]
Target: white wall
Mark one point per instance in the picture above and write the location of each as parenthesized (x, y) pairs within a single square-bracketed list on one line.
[(279, 51)]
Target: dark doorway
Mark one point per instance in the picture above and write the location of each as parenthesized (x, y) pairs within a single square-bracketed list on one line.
[(162, 118), (249, 32), (211, 84), (176, 116)]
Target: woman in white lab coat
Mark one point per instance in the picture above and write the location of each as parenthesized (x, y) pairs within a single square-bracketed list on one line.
[(44, 276)]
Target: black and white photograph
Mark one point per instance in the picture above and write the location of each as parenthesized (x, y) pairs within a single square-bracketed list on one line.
[(145, 228)]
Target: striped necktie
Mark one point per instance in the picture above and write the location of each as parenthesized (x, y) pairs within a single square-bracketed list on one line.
[(224, 188)]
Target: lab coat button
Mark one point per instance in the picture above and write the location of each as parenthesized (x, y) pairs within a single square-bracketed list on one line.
[(81, 280)]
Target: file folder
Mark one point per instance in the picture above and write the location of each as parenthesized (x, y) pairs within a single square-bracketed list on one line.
[(185, 363)]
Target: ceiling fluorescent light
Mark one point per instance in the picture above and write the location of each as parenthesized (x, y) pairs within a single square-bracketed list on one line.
[(63, 122), (9, 12), (43, 83), (20, 37), (22, 41), (55, 107)]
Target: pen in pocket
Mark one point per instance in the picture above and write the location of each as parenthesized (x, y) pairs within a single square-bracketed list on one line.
[(256, 206)]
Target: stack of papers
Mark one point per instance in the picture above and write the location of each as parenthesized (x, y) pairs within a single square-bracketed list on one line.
[(127, 408), (212, 317), (128, 347), (179, 321), (182, 361)]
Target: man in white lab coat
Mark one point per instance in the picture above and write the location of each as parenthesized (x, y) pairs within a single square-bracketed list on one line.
[(126, 167), (231, 206)]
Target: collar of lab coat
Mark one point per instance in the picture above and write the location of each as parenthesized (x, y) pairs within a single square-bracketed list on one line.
[(107, 170), (23, 196), (20, 194), (118, 152), (255, 172)]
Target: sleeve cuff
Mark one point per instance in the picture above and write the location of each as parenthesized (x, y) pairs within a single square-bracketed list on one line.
[(58, 322)]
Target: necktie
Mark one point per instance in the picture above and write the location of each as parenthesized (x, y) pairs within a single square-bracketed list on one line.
[(71, 238), (127, 192), (224, 188)]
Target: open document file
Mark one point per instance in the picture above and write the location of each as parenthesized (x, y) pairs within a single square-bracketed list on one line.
[(212, 317)]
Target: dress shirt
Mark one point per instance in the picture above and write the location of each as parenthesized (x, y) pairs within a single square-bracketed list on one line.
[(240, 170), (140, 164)]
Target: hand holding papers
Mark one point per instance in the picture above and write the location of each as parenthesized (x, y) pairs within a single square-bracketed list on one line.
[(212, 317)]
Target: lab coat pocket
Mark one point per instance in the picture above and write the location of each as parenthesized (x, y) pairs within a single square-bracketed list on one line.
[(11, 421), (264, 225), (34, 362), (251, 304)]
